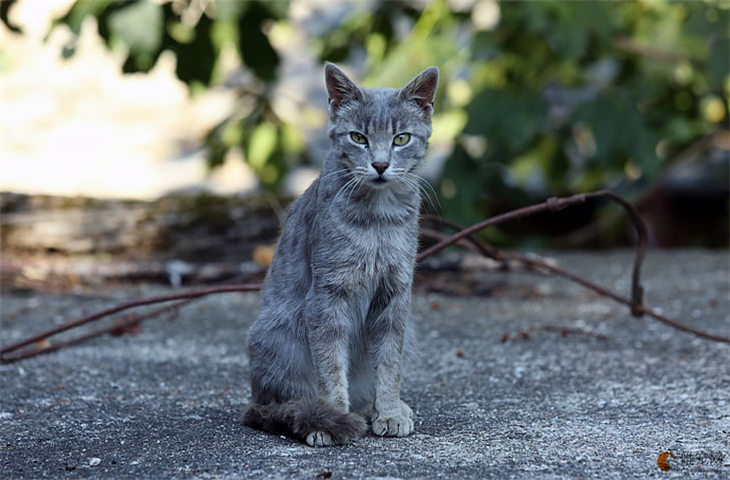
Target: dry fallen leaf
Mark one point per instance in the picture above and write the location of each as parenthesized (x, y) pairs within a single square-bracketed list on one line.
[(663, 461), (263, 254), (131, 329)]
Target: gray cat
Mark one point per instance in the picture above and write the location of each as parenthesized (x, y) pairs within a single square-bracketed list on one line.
[(327, 348)]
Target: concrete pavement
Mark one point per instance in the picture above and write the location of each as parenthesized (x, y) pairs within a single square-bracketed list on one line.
[(165, 403)]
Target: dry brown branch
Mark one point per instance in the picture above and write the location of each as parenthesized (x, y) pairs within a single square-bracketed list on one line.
[(190, 295), (480, 247), (635, 303), (554, 204), (463, 234)]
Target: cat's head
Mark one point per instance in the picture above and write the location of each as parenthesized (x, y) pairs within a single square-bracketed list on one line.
[(380, 135)]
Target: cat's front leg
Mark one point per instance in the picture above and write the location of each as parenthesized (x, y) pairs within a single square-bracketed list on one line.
[(328, 346), (391, 416)]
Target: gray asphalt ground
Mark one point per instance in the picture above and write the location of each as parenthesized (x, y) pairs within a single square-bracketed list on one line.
[(165, 403)]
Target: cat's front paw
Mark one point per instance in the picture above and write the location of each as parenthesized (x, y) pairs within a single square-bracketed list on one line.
[(397, 422), (319, 439)]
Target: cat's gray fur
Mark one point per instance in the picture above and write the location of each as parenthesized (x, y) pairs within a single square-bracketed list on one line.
[(327, 348)]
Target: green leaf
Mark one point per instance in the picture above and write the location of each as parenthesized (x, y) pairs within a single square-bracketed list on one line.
[(230, 9), (461, 188), (79, 11), (511, 116), (261, 146), (140, 27), (718, 63), (195, 58), (621, 133), (531, 169), (257, 52)]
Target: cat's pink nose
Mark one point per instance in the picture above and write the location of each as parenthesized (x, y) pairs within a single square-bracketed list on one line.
[(380, 167)]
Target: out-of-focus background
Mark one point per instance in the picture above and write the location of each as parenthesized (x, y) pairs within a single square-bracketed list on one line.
[(178, 129)]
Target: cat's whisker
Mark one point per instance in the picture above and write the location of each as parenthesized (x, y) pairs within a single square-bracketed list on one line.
[(347, 172), (358, 183), (402, 176), (343, 189), (410, 181), (352, 185), (428, 191), (339, 191)]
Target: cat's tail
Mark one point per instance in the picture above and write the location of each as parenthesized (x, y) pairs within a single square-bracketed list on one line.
[(312, 421)]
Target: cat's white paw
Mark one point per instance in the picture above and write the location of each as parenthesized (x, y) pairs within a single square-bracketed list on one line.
[(319, 439), (396, 423)]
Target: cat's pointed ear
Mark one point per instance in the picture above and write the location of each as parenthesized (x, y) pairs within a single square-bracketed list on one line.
[(340, 89), (422, 89)]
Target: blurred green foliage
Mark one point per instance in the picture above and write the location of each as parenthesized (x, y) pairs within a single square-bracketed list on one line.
[(200, 35), (538, 98), (576, 96)]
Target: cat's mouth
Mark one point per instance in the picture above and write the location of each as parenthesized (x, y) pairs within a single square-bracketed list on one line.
[(378, 182)]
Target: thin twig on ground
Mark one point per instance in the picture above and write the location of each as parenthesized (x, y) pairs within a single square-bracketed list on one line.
[(563, 331), (190, 295)]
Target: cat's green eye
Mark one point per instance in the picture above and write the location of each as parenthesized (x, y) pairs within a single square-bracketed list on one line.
[(401, 139), (358, 138)]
